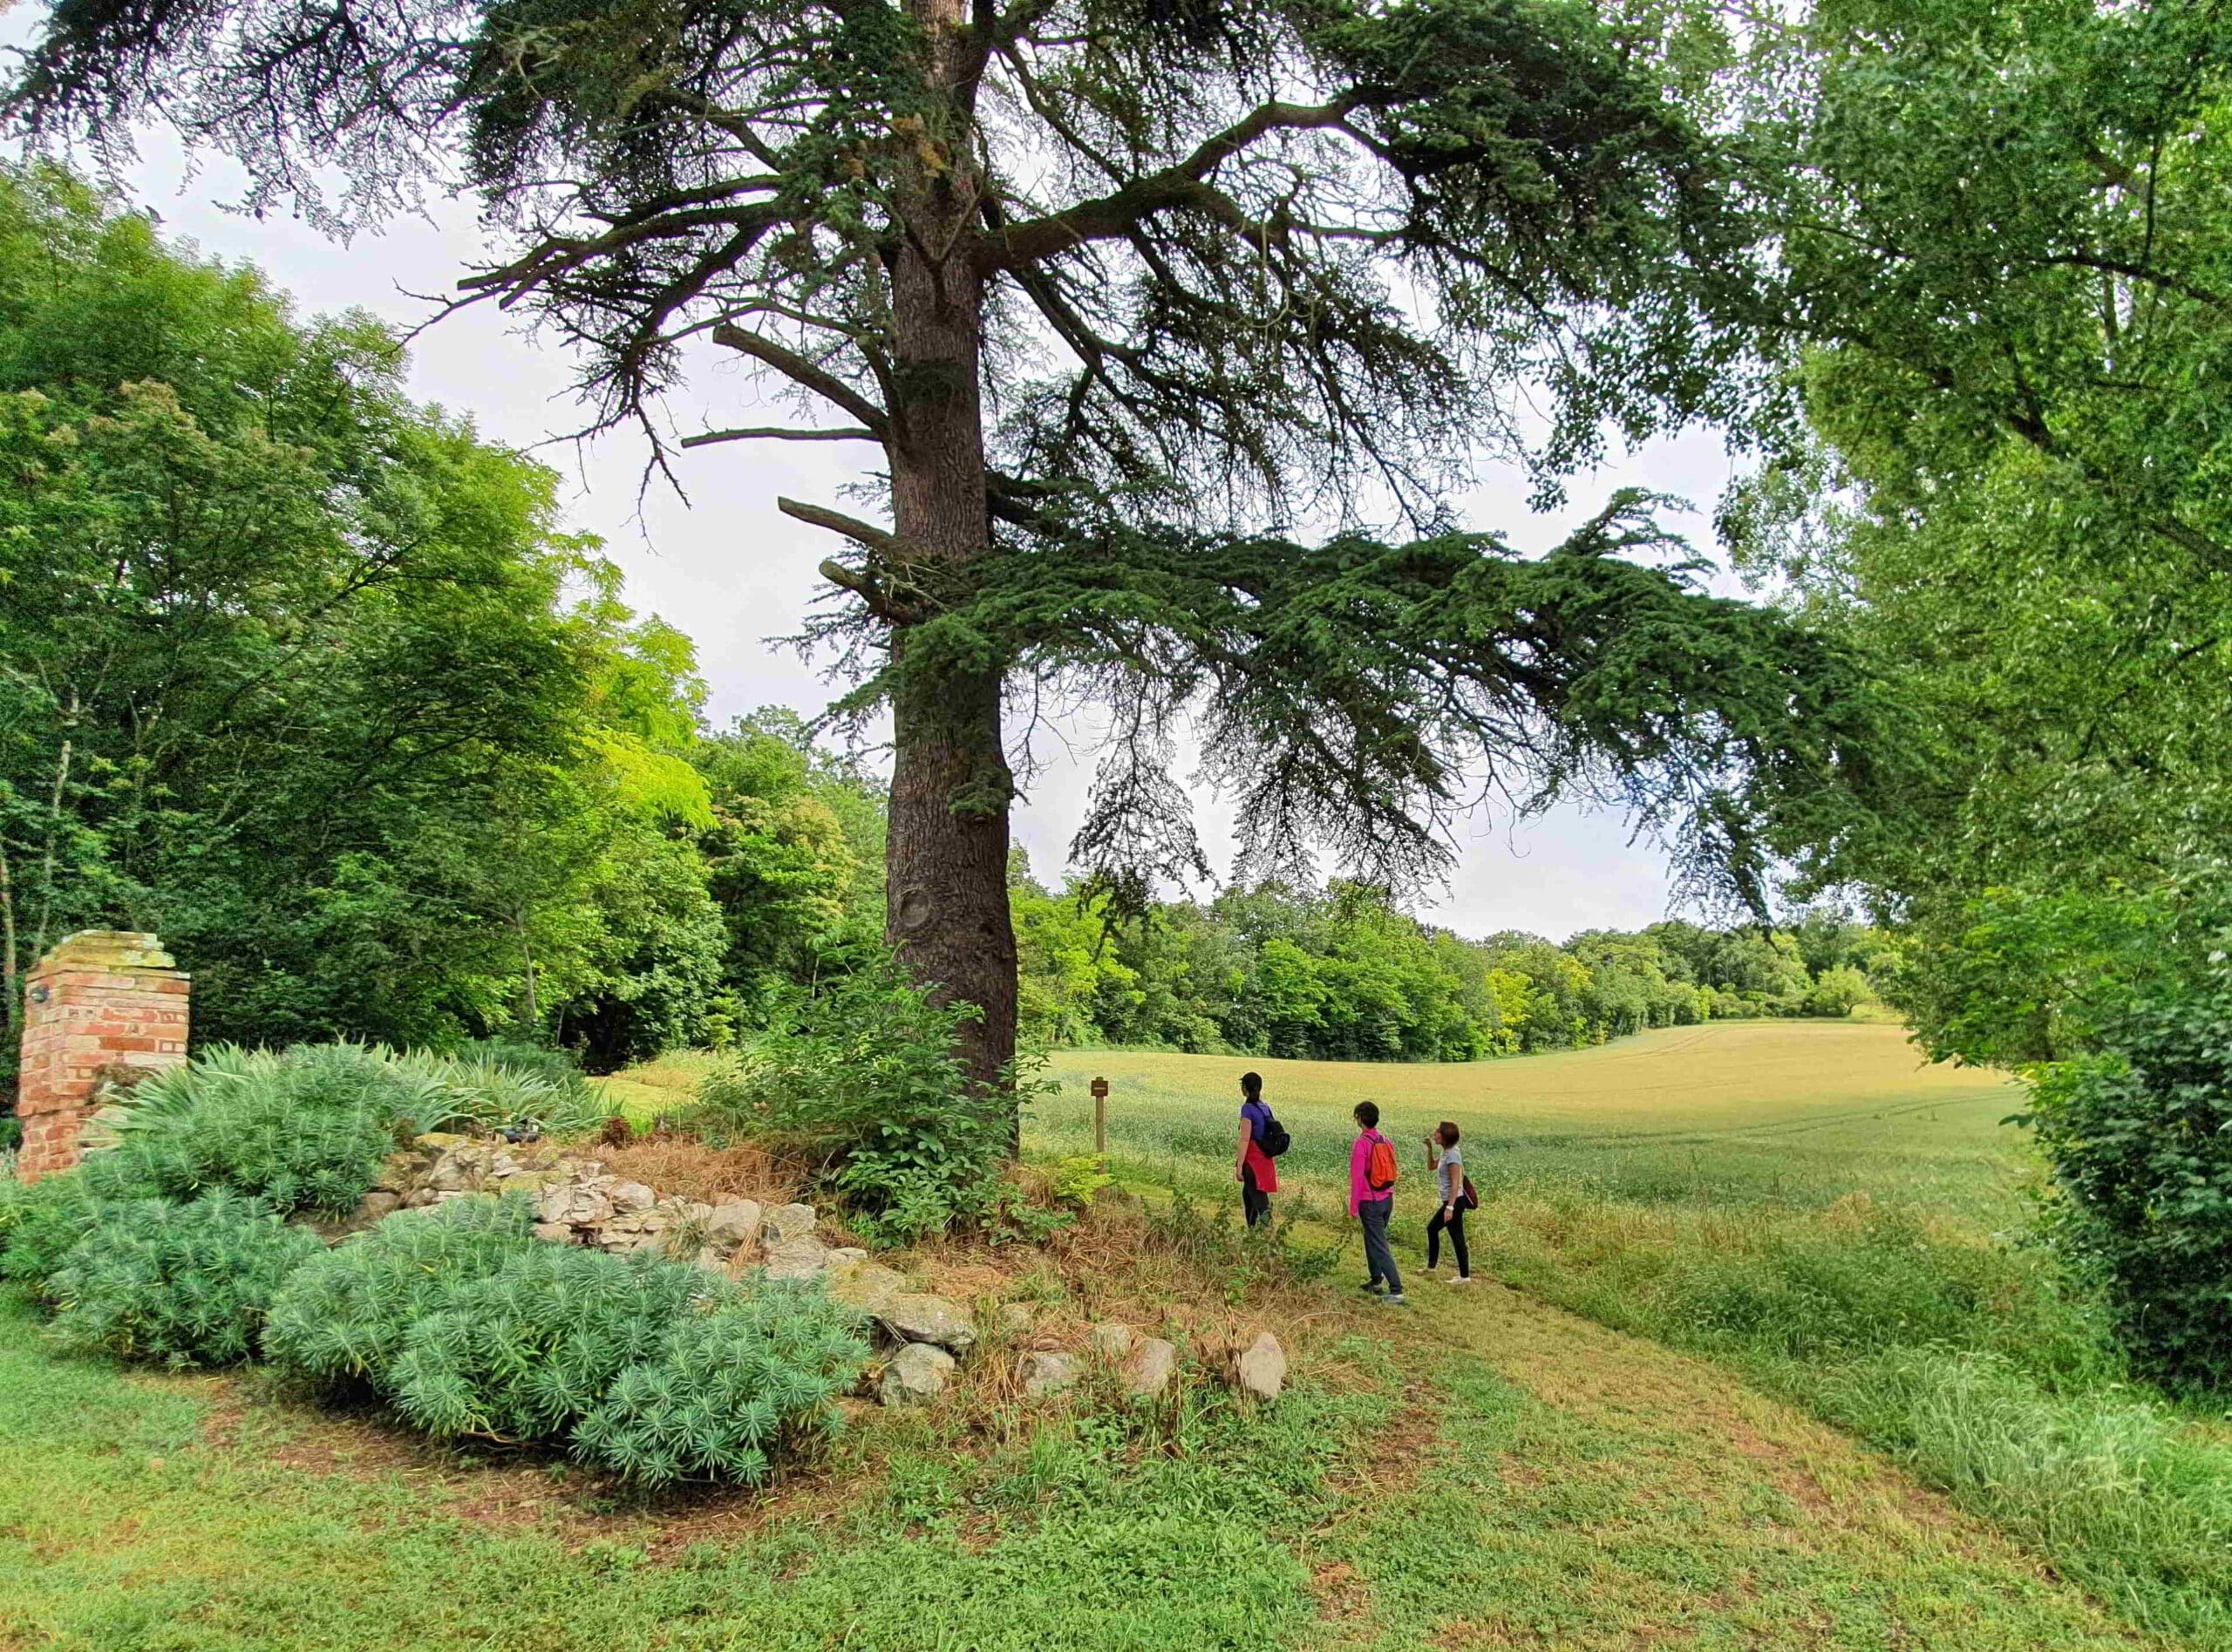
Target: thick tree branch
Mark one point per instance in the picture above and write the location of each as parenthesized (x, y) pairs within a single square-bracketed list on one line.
[(779, 433), (805, 374), (876, 539), (1114, 216)]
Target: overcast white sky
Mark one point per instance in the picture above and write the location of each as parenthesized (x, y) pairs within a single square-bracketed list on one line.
[(726, 567)]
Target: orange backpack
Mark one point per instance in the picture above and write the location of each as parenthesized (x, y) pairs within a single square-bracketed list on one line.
[(1379, 1169)]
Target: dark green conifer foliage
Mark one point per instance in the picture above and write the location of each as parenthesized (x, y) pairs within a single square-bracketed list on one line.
[(1108, 291)]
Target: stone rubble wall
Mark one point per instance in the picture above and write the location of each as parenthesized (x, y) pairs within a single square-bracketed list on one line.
[(924, 1337)]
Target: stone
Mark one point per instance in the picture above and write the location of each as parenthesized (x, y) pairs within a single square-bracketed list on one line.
[(553, 1233), (573, 1204), (917, 1374), (1261, 1369), (630, 1196), (916, 1316), (461, 1169), (1016, 1317), (1046, 1374), (1148, 1369), (805, 1257), (1113, 1341), (419, 1197), (638, 1230), (848, 1256), (734, 1221), (378, 1203), (866, 1287), (400, 1171), (786, 1222)]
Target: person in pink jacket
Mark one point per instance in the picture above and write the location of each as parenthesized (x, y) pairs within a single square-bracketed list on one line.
[(1372, 1206)]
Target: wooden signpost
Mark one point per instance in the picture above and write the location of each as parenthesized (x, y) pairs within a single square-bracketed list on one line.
[(1100, 1121)]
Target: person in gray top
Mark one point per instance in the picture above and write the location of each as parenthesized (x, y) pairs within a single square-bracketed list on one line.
[(1447, 1160)]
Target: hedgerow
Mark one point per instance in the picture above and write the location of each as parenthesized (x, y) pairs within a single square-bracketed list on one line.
[(176, 1285)]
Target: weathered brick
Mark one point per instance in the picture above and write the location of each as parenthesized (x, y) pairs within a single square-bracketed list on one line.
[(101, 998)]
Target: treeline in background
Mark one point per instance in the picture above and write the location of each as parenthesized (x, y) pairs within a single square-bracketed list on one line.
[(1339, 974)]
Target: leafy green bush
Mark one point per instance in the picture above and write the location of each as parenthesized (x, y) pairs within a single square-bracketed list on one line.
[(42, 1222), (2138, 1137), (469, 1325), (733, 1391), (522, 1353), (345, 1317), (306, 1128), (178, 1285), (861, 1076)]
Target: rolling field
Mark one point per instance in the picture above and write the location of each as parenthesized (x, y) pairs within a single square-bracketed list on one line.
[(1742, 1113)]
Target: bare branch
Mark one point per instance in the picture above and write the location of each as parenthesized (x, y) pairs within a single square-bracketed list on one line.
[(779, 433), (807, 374), (883, 544)]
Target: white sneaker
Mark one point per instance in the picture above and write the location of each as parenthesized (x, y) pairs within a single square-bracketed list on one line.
[(1460, 1279)]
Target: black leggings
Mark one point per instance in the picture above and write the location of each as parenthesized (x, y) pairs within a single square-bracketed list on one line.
[(1455, 1228), (1256, 1204)]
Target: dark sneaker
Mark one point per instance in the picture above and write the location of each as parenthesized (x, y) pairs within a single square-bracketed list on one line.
[(1373, 1286)]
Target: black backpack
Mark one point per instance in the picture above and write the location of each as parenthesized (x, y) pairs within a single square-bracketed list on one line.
[(1274, 1140)]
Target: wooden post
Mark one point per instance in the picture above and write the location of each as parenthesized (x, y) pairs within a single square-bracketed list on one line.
[(1100, 1121)]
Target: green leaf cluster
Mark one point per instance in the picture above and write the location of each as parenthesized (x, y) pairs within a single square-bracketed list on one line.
[(469, 1326), (2137, 1134), (859, 1077), (174, 1284)]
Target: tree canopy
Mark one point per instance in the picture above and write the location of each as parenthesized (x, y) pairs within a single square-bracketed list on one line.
[(312, 682), (1120, 292)]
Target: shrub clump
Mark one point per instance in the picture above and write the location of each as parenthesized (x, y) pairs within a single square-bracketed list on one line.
[(735, 1390), (860, 1077), (2138, 1137), (307, 1128), (343, 1317), (522, 1353), (176, 1285), (468, 1325)]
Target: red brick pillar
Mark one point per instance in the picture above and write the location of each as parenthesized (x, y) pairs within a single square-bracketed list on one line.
[(102, 998)]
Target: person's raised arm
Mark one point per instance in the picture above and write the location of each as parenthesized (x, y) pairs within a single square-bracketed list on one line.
[(1240, 1153)]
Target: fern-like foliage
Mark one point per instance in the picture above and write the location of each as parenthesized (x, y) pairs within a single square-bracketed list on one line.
[(734, 1390), (306, 1128), (176, 1285), (42, 1222)]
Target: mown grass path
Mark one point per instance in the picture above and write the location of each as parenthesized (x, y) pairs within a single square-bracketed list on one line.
[(1580, 1488)]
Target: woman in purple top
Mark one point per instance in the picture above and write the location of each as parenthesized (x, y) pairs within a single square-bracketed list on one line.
[(1373, 1205), (1252, 1166)]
